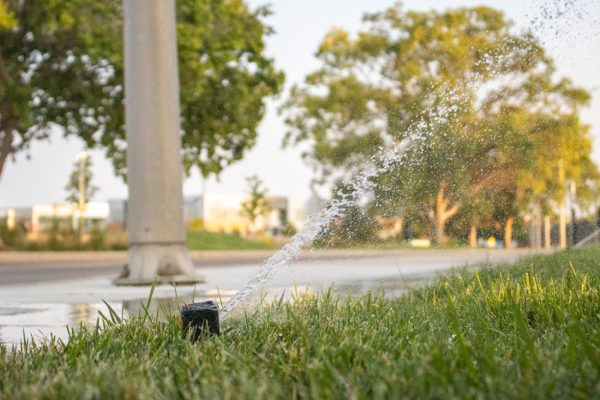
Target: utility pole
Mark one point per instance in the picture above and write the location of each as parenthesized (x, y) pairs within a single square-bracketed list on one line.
[(562, 216), (157, 240)]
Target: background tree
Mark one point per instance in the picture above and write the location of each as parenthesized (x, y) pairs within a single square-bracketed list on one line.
[(82, 170), (80, 191), (256, 205), (61, 66), (460, 83)]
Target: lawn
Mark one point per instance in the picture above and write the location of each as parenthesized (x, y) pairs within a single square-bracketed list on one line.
[(203, 240), (528, 330)]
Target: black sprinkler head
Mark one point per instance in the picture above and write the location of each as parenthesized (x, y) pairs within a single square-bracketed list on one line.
[(200, 319)]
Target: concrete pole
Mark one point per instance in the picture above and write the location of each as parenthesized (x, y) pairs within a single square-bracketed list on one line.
[(157, 241)]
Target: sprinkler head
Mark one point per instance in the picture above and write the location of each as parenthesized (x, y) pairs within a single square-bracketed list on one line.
[(200, 319)]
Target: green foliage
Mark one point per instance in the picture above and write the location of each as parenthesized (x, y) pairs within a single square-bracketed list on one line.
[(487, 116), (61, 63), (256, 205), (83, 168), (12, 238), (354, 226), (62, 236), (203, 240), (530, 330), (97, 239), (195, 224), (7, 19), (289, 230)]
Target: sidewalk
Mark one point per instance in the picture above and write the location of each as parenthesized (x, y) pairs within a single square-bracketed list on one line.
[(47, 307)]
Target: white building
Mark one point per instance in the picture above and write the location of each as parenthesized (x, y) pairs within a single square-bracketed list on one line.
[(223, 213), (40, 217)]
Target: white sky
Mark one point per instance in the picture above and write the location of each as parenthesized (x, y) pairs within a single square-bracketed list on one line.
[(573, 39)]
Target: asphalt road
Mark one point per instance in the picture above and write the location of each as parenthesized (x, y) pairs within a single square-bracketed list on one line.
[(20, 268), (31, 267), (26, 268)]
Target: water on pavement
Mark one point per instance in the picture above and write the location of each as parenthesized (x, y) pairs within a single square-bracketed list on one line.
[(43, 309)]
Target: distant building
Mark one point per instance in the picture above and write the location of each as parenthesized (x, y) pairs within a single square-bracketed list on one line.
[(16, 215), (215, 212), (223, 213), (297, 213), (39, 218)]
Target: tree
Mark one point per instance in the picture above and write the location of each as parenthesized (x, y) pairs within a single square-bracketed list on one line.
[(256, 205), (61, 66), (81, 178), (80, 189), (7, 20), (548, 116), (457, 83)]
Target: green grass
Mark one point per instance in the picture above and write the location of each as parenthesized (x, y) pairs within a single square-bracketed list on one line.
[(529, 330), (202, 240)]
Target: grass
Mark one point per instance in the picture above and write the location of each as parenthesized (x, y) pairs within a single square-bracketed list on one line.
[(203, 240), (528, 330)]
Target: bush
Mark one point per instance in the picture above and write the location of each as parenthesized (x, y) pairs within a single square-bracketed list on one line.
[(13, 238), (97, 239)]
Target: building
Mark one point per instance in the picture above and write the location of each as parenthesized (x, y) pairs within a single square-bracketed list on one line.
[(40, 218), (214, 212), (222, 213)]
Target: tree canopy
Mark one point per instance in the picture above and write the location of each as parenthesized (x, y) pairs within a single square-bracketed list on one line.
[(81, 174), (483, 106), (61, 65), (256, 205)]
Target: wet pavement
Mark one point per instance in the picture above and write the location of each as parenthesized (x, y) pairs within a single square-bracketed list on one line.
[(45, 308)]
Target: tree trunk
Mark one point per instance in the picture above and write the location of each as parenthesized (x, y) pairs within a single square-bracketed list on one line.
[(562, 227), (441, 213), (440, 230), (473, 237), (508, 231), (7, 134), (547, 227), (538, 227), (8, 125)]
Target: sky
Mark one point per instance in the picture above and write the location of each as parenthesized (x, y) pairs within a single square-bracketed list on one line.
[(569, 29)]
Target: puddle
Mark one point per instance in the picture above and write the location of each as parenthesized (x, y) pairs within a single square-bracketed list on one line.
[(43, 320)]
